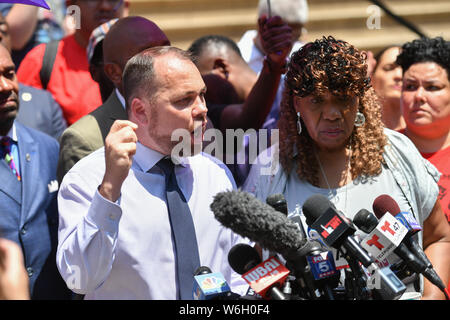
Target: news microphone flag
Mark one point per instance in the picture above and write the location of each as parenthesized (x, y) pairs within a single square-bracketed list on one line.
[(209, 286), (37, 3), (385, 237), (265, 275), (322, 265), (408, 220)]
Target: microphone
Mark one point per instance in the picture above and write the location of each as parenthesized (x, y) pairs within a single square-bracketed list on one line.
[(243, 257), (209, 285), (265, 278), (320, 268), (337, 231), (278, 202), (385, 237), (385, 203), (251, 218), (259, 222)]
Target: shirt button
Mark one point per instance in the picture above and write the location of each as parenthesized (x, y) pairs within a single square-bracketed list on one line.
[(23, 231), (30, 271)]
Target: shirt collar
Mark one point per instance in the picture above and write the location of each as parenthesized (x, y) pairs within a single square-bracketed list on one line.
[(120, 97), (146, 158), (12, 133)]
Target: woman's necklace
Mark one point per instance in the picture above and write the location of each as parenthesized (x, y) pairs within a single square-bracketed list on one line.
[(347, 169)]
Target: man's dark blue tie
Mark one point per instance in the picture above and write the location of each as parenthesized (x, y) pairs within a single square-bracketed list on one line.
[(183, 231)]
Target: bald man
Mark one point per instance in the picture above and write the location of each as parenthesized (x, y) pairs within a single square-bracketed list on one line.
[(127, 37)]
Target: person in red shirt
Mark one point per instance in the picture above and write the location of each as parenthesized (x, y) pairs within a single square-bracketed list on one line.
[(441, 160), (70, 82), (426, 105)]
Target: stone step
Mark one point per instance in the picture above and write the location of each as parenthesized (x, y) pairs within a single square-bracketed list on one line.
[(185, 20)]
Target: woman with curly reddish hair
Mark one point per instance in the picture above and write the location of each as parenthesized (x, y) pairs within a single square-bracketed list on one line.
[(332, 142)]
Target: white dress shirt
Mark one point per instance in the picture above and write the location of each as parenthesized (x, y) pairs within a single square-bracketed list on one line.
[(124, 250), (121, 98)]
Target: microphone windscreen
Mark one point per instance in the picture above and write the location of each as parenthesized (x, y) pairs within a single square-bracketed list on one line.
[(385, 203), (365, 220), (251, 218), (243, 257), (315, 206)]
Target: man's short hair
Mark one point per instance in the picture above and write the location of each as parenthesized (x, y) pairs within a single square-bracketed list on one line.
[(139, 72), (435, 50), (291, 11), (213, 41)]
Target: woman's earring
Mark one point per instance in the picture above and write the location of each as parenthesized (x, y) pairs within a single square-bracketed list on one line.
[(360, 119), (299, 124)]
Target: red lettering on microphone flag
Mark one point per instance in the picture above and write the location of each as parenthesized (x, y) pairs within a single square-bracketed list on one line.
[(331, 226), (374, 242), (266, 274), (387, 227)]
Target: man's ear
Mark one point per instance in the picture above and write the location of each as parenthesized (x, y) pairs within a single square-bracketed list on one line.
[(138, 112), (114, 73), (221, 68)]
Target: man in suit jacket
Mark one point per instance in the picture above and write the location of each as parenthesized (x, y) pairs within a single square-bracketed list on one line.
[(28, 208), (38, 110), (127, 37)]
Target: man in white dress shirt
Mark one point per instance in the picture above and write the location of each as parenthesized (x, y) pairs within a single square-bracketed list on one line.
[(115, 236)]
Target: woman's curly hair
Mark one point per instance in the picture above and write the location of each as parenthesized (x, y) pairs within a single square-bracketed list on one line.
[(334, 66)]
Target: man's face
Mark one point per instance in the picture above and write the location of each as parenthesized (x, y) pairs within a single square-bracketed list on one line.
[(177, 103), (5, 38), (97, 12), (9, 91), (220, 89)]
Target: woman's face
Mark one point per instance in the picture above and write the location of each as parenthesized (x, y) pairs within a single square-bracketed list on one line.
[(425, 98), (387, 78), (329, 119)]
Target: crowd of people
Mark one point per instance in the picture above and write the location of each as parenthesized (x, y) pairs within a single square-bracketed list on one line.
[(95, 204)]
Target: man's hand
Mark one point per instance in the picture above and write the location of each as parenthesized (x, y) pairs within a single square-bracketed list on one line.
[(120, 147), (276, 40), (13, 276)]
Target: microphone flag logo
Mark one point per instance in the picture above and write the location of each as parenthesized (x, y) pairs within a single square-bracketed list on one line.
[(212, 282), (266, 274), (208, 286), (383, 240), (37, 3)]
